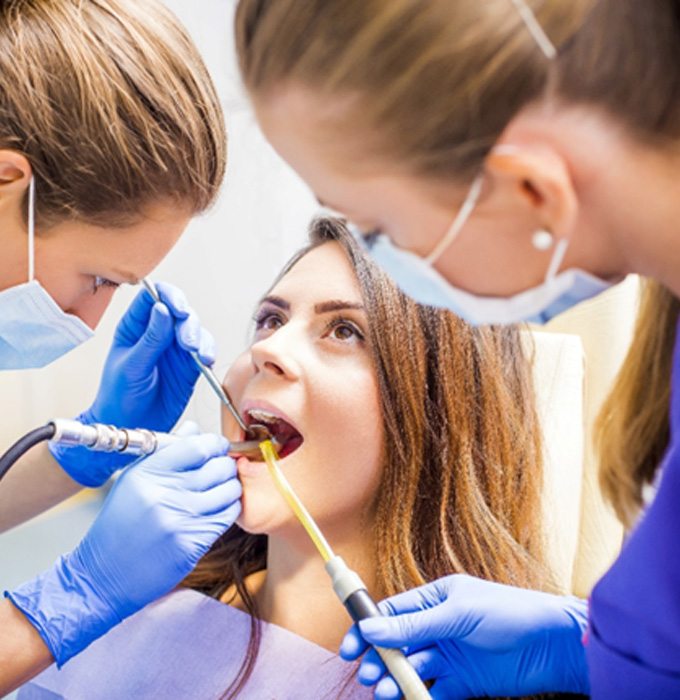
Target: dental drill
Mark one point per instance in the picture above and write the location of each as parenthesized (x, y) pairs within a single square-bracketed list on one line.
[(109, 438)]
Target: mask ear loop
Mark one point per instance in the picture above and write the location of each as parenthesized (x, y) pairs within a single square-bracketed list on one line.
[(535, 29), (558, 257), (461, 218), (31, 229)]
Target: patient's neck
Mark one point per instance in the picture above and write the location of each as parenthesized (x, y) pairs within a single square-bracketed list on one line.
[(296, 592)]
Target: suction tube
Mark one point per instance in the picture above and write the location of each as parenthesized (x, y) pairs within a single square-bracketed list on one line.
[(352, 592), (347, 584), (23, 445)]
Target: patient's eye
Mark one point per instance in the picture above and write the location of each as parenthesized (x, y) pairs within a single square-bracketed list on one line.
[(344, 330), (268, 320)]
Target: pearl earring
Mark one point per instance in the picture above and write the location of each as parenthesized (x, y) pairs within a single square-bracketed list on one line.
[(542, 239)]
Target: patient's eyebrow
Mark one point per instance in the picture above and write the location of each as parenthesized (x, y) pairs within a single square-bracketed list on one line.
[(336, 305), (279, 302)]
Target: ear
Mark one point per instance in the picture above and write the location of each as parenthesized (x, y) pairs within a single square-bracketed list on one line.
[(538, 179), (15, 173)]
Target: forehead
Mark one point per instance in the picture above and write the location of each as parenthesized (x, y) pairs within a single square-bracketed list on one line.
[(322, 274)]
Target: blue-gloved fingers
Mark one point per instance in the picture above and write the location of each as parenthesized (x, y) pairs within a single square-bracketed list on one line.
[(155, 340), (135, 320), (425, 626), (190, 335), (191, 453), (353, 645), (372, 668), (430, 663), (187, 428), (213, 473), (208, 348), (217, 499), (225, 518), (412, 600), (174, 299), (387, 689)]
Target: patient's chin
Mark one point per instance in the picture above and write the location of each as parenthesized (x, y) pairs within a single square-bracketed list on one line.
[(263, 512)]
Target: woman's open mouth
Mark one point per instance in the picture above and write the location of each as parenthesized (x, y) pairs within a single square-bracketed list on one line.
[(287, 436)]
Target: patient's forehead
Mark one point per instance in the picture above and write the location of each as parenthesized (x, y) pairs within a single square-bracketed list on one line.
[(323, 274)]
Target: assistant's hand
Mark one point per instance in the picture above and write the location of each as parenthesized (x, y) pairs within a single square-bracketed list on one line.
[(476, 638), (148, 378), (160, 518)]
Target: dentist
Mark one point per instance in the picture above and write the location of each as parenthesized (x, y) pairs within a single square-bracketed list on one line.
[(508, 160), (111, 138)]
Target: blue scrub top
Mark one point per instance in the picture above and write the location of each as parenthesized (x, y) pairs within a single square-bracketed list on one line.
[(633, 645)]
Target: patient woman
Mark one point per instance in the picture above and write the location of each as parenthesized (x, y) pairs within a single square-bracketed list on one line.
[(412, 439)]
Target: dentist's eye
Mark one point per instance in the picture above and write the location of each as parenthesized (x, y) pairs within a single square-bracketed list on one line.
[(99, 282), (344, 330)]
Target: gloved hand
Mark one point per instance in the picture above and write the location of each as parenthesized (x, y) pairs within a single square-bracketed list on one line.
[(147, 381), (476, 638), (161, 517)]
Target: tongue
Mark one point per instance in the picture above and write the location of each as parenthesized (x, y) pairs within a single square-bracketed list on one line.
[(287, 436)]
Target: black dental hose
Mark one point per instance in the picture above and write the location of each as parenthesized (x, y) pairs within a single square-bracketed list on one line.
[(24, 444)]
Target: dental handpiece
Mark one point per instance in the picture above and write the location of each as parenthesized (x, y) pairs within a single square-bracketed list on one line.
[(132, 441), (214, 382)]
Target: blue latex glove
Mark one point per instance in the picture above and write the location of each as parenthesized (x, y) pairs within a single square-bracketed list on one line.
[(476, 638), (147, 381), (161, 517)]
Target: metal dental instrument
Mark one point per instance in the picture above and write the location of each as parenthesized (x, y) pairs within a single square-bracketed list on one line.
[(109, 438), (214, 382), (132, 441)]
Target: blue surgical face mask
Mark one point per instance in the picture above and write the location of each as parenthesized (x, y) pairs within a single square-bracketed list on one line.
[(417, 277), (34, 330)]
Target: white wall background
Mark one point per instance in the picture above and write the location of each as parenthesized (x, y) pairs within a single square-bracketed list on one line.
[(224, 262)]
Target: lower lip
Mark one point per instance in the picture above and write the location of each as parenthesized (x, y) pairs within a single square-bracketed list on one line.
[(247, 468)]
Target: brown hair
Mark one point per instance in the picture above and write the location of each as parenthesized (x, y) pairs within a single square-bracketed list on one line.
[(632, 429), (112, 106), (462, 472), (434, 84)]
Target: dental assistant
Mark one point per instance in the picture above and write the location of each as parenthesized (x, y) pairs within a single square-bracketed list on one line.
[(111, 138), (508, 160)]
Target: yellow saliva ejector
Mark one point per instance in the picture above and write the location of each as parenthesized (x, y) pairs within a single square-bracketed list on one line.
[(347, 584)]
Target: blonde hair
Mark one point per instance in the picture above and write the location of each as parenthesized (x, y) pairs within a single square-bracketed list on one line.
[(632, 430), (434, 84), (112, 106), (460, 490)]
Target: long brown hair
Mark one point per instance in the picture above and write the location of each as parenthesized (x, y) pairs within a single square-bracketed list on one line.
[(112, 106), (462, 472)]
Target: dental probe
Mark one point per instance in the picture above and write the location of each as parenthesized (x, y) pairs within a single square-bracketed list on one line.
[(139, 441), (214, 382), (347, 584)]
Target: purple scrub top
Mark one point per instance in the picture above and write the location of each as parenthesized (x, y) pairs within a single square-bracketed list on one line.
[(633, 645)]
